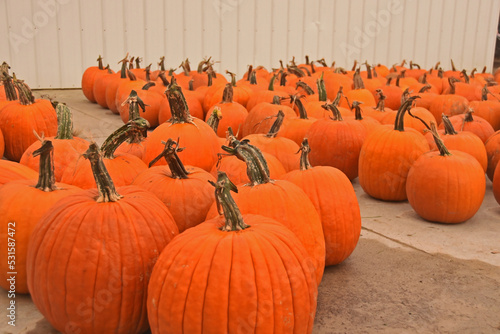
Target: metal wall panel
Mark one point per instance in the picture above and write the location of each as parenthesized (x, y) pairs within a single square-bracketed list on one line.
[(49, 43)]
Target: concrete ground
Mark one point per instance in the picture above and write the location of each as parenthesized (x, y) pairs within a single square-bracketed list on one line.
[(405, 276)]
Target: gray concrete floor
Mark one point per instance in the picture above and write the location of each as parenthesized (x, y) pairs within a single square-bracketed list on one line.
[(406, 275)]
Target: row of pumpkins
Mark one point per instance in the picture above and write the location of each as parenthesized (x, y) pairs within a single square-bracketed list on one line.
[(227, 225)]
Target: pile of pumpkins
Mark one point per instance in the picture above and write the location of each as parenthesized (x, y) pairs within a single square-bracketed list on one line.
[(218, 203)]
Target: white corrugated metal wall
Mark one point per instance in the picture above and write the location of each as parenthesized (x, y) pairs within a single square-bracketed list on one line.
[(49, 43)]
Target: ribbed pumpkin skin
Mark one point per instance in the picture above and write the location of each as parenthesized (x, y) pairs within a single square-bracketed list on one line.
[(253, 281), (289, 205), (102, 256), (17, 123), (449, 105), (478, 126), (337, 144), (123, 169), (23, 204), (334, 198), (10, 171), (2, 144), (66, 154), (446, 189), (199, 139), (260, 118), (385, 159), (188, 200), (236, 169)]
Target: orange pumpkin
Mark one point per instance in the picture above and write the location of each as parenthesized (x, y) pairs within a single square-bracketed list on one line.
[(333, 196), (492, 146), (101, 245), (237, 249), (22, 203), (90, 76)]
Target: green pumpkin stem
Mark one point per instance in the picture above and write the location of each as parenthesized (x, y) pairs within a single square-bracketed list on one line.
[(271, 83), (177, 169), (178, 104), (304, 155), (105, 186), (46, 178), (275, 128), (64, 122), (321, 89), (257, 169), (399, 123), (448, 127), (226, 204), (132, 128), (214, 118)]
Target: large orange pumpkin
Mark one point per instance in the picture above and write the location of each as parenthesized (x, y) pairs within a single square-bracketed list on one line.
[(280, 200), (432, 176), (216, 277), (100, 245), (492, 146), (387, 155), (89, 77), (10, 171), (334, 198), (22, 203)]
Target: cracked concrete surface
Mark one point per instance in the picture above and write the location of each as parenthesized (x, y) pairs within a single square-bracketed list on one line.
[(405, 276)]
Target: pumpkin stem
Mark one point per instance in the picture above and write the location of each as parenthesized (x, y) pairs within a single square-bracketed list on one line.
[(227, 94), (161, 64), (257, 169), (249, 72), (356, 105), (381, 100), (448, 127), (322, 62), (354, 65), (123, 70), (64, 122), (214, 119), (304, 155), (358, 81), (138, 126), (406, 94), (406, 105), (320, 83), (134, 102), (163, 78), (25, 94), (305, 87), (468, 116), (253, 78), (275, 128), (271, 83), (451, 81), (233, 78), (131, 75), (10, 89), (453, 68), (300, 106), (186, 67), (466, 77), (105, 186), (178, 104), (131, 63), (226, 204), (46, 178), (425, 88), (337, 116), (148, 72), (340, 93), (443, 151), (138, 61), (368, 70), (177, 169), (99, 63)]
